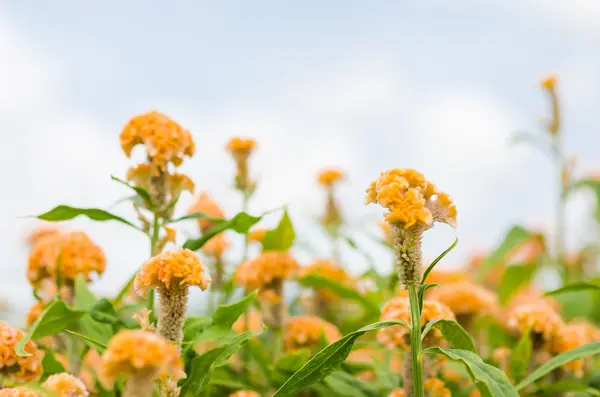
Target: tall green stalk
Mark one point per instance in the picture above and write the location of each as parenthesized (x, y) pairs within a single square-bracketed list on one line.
[(416, 347)]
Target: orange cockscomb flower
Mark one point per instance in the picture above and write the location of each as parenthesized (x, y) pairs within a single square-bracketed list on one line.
[(241, 149), (436, 388), (262, 270), (141, 356), (206, 205), (329, 270), (569, 337), (216, 245), (446, 276), (411, 199), (257, 234), (19, 392), (541, 318), (245, 393), (254, 322), (398, 308), (165, 140), (329, 176), (397, 393), (75, 252), (20, 369), (308, 331), (466, 298), (241, 146), (549, 84), (65, 385), (41, 232)]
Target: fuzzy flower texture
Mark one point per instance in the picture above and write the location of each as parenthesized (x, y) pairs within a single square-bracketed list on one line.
[(20, 369), (411, 199)]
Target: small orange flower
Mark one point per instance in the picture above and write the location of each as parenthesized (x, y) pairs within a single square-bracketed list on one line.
[(569, 337), (65, 385), (165, 140), (398, 308), (216, 245), (245, 393), (254, 322), (549, 83), (540, 317), (75, 252), (21, 369), (262, 270), (19, 392), (436, 388), (466, 298), (207, 206), (238, 145), (178, 268), (411, 199), (329, 270), (307, 331), (41, 232), (397, 393), (132, 352), (330, 176), (443, 277), (257, 235)]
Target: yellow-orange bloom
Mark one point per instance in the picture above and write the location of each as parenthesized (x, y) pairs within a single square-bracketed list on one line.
[(308, 331), (206, 205), (443, 277), (134, 352), (19, 392), (65, 385), (411, 199), (398, 308), (21, 369), (245, 393), (165, 140), (41, 232), (216, 245), (329, 176), (74, 251), (436, 388), (397, 393), (262, 270), (257, 235), (238, 145), (549, 82), (540, 317), (569, 337), (466, 298), (254, 322), (329, 270), (178, 268)]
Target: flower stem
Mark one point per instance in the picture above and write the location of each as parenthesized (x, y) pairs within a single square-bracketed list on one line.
[(416, 348)]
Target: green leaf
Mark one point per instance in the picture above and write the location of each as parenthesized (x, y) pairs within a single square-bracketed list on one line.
[(96, 345), (282, 237), (144, 195), (574, 287), (519, 361), (491, 381), (104, 312), (84, 298), (328, 360), (198, 215), (292, 362), (240, 223), (516, 236), (421, 293), (226, 315), (586, 350), (346, 385), (513, 278), (314, 281), (203, 366), (56, 317), (453, 332), (96, 335), (566, 386), (65, 212), (438, 259), (51, 364)]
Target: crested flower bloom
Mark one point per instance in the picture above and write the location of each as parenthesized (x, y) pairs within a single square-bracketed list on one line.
[(172, 272), (245, 393), (569, 337), (414, 204), (329, 270), (206, 205), (216, 245), (141, 356), (241, 149), (308, 331), (257, 235), (398, 308), (466, 298), (21, 369), (446, 277), (329, 176), (144, 175), (543, 320), (549, 84), (259, 272), (74, 252), (19, 392), (65, 385), (436, 388), (165, 140), (397, 393), (254, 322), (41, 232)]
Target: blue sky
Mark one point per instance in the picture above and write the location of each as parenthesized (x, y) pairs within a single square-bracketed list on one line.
[(435, 85)]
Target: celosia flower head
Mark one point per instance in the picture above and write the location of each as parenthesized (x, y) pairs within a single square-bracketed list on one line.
[(19, 392), (165, 140), (241, 149), (254, 322), (259, 272), (445, 277), (133, 352), (65, 385), (329, 270), (245, 393), (308, 331), (74, 252), (411, 199), (466, 298), (542, 319), (21, 369), (329, 176), (398, 308), (178, 268), (549, 85), (436, 388), (397, 393), (569, 337), (257, 235), (216, 245), (239, 146), (205, 204), (41, 232)]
